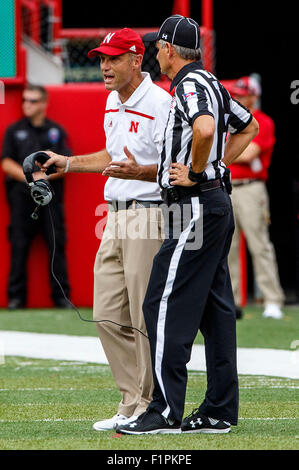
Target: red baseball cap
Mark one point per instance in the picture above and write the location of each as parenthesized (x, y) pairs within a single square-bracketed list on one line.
[(246, 86), (119, 42)]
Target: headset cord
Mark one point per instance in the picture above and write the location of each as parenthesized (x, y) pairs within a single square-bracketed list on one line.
[(64, 295)]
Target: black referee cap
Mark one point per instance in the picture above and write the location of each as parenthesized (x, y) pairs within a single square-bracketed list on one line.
[(177, 30)]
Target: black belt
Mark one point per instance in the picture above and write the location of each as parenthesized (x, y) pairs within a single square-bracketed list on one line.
[(132, 204), (174, 194), (243, 182)]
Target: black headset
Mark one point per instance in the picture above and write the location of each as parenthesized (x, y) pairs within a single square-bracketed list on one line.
[(40, 190)]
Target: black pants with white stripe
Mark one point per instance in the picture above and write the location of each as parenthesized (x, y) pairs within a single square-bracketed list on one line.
[(190, 290)]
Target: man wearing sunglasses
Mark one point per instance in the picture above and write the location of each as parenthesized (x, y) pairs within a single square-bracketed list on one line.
[(31, 133)]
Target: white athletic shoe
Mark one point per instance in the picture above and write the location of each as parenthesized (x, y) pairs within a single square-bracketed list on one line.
[(272, 311), (108, 424)]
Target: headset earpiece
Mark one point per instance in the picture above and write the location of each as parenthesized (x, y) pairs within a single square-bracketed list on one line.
[(41, 192)]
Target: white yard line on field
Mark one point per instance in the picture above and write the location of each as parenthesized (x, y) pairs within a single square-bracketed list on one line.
[(257, 361)]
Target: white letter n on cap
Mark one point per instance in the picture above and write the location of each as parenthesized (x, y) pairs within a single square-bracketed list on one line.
[(108, 37)]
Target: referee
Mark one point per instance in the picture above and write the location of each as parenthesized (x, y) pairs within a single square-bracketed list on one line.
[(190, 287)]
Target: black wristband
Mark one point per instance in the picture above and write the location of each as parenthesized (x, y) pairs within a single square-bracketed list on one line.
[(195, 177)]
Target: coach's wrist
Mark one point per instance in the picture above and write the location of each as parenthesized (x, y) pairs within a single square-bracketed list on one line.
[(147, 173)]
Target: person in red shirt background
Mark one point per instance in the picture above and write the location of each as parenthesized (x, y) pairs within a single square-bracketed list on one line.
[(251, 204)]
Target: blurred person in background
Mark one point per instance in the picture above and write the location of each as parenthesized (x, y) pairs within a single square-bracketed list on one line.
[(251, 205), (31, 133)]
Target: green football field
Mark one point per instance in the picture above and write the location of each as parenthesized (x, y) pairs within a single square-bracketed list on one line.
[(47, 404)]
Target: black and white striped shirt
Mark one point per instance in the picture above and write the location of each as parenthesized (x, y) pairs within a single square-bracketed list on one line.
[(198, 93)]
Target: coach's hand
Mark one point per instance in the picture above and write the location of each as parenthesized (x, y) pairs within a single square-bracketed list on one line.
[(179, 175), (127, 169), (58, 160)]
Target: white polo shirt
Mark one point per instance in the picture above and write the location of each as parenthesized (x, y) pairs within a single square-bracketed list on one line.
[(139, 124)]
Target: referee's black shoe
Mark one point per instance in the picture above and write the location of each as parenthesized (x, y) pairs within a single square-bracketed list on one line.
[(150, 422), (196, 423)]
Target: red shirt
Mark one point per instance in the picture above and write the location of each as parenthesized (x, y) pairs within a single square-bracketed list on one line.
[(265, 140)]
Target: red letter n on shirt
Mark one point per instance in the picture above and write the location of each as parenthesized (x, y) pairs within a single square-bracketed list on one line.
[(134, 127)]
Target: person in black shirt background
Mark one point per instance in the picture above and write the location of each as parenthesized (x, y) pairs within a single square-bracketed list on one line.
[(28, 135)]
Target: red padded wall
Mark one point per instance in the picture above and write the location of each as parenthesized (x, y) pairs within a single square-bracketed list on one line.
[(9, 112)]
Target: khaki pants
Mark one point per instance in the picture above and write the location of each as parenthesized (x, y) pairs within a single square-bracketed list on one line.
[(251, 212), (121, 272)]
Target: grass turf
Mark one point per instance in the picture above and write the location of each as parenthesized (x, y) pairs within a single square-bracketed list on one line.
[(51, 405), (253, 331), (48, 404)]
